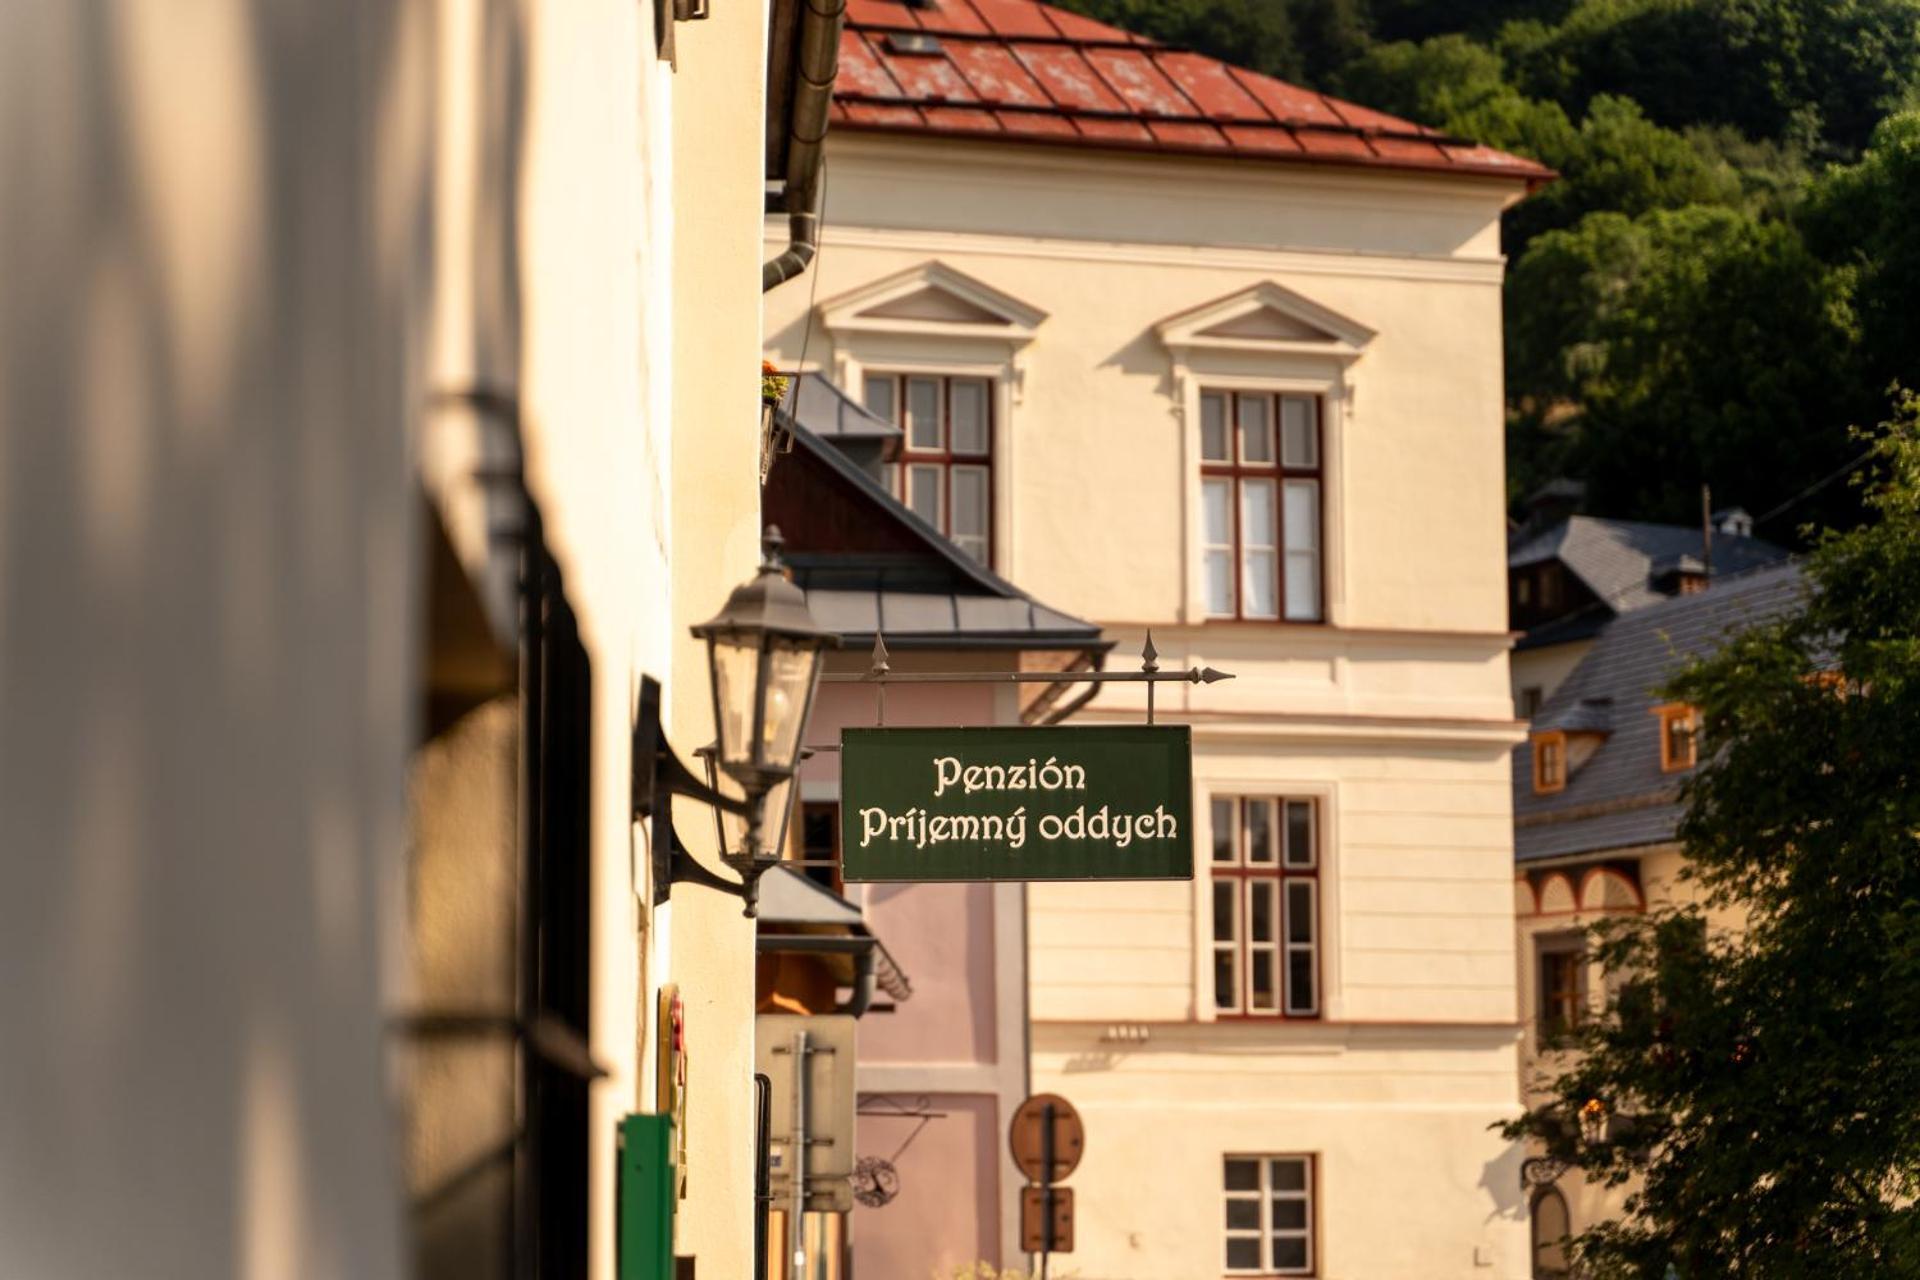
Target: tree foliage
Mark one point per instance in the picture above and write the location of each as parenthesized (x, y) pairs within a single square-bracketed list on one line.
[(1806, 70), (1764, 1083), (1653, 354), (1866, 218), (1722, 276)]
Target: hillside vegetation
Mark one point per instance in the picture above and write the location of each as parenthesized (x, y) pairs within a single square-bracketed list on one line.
[(1723, 280)]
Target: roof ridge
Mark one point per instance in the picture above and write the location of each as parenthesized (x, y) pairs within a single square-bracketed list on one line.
[(1169, 98)]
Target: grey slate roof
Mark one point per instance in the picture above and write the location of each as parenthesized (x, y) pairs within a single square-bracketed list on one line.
[(827, 411), (1616, 557), (963, 605), (1619, 798)]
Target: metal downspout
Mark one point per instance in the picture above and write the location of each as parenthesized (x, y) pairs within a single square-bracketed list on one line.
[(1059, 714), (864, 980), (819, 62)]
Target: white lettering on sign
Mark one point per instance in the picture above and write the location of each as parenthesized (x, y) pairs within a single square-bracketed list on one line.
[(1031, 776), (920, 827)]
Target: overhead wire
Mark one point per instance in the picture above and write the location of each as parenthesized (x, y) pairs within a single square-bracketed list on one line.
[(1814, 488)]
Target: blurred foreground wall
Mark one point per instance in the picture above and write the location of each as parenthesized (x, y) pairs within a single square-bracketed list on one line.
[(209, 213)]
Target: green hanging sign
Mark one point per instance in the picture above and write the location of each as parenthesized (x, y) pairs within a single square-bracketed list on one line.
[(1108, 802)]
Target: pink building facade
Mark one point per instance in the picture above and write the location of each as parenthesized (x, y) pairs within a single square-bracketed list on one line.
[(939, 1074)]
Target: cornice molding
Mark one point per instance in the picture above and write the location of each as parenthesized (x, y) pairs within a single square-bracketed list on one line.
[(1311, 262)]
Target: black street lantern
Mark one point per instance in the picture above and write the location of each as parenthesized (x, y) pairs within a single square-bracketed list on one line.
[(764, 653), (730, 827)]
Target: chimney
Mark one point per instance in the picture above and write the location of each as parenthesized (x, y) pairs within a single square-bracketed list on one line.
[(1553, 502), (1678, 576)]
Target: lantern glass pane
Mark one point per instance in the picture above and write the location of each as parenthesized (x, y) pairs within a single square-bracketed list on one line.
[(736, 669), (729, 828), (790, 673), (774, 813)]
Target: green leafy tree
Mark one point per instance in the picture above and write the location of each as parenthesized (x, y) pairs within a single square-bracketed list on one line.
[(1763, 1084), (1796, 71), (1614, 159), (1866, 218), (1256, 34), (1696, 345)]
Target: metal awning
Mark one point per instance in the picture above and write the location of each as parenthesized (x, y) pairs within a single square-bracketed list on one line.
[(799, 915)]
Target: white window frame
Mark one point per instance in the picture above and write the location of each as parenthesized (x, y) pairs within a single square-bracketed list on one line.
[(1264, 1195)]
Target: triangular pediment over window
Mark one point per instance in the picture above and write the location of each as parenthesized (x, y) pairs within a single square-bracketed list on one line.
[(1266, 317), (933, 299)]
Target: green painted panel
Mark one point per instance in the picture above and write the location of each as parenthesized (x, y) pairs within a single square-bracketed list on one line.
[(645, 1192), (1068, 803)]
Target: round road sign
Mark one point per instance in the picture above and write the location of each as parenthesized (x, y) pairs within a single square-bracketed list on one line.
[(1026, 1136)]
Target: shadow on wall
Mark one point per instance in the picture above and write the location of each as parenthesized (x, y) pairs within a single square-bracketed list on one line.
[(1500, 1178), (213, 235)]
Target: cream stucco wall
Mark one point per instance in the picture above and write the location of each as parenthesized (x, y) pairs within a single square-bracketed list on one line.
[(704, 943), (1094, 419), (564, 307), (209, 237), (1074, 273), (600, 251)]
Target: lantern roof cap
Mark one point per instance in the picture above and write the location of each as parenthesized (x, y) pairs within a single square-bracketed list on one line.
[(769, 604)]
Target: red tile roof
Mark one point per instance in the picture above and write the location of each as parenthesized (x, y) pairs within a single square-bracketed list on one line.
[(1024, 70)]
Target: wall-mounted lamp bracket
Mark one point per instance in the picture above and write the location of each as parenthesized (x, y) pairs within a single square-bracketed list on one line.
[(658, 776)]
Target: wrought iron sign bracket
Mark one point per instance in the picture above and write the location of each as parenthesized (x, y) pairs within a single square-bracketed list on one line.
[(1541, 1171), (880, 674)]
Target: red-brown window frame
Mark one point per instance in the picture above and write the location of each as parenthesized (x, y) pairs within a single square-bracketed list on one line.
[(1542, 784), (944, 457), (1670, 713), (1241, 872), (1237, 470), (1568, 949)]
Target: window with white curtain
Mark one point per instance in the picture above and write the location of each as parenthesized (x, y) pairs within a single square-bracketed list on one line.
[(944, 473), (1265, 872), (1261, 510)]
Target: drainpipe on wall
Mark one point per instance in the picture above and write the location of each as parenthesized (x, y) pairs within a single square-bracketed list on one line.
[(864, 980), (818, 63)]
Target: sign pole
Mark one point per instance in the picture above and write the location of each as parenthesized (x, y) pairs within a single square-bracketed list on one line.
[(796, 1229), (1046, 1185)]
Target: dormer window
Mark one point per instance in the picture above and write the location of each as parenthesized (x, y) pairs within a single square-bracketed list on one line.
[(1549, 762), (1679, 737)]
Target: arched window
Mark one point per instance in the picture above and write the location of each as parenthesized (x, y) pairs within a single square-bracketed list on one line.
[(1551, 1226)]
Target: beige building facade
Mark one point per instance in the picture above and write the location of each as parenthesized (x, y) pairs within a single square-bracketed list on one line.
[(1253, 405), (379, 395), (1597, 812)]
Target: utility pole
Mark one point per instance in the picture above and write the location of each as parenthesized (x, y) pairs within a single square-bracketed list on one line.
[(1706, 529)]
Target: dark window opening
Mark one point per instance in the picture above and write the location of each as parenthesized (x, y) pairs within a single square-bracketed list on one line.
[(820, 843)]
